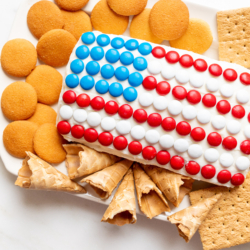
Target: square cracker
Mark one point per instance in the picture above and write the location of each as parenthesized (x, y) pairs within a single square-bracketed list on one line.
[(228, 223), (234, 36)]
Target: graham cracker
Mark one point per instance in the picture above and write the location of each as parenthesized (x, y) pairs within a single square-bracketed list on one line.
[(234, 36), (228, 223)]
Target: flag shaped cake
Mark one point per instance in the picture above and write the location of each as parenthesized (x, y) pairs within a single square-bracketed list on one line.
[(157, 105)]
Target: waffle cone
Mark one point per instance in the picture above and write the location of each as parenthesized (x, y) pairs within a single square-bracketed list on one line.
[(173, 186), (38, 174), (81, 160), (106, 180), (189, 219), (122, 209), (150, 198)]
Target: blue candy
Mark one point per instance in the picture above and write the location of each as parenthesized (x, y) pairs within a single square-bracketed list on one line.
[(135, 79), (102, 87), (115, 89), (97, 53), (130, 94), (117, 43), (103, 40), (88, 37), (107, 71), (87, 82), (145, 49), (112, 55), (131, 44), (140, 63), (126, 58), (121, 73), (82, 52), (77, 66), (72, 81), (92, 68)]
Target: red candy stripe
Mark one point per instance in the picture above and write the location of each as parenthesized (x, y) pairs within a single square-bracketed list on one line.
[(90, 135), (172, 57), (158, 52), (163, 157), (245, 78), (111, 107), (237, 179), (214, 139), (77, 131), (209, 100), (186, 61), (149, 83), (149, 153), (140, 115), (63, 127), (135, 147), (163, 88), (230, 75), (245, 147), (83, 100), (215, 69), (224, 176), (120, 142), (179, 92), (192, 167), (193, 96), (229, 143), (177, 162), (105, 138), (168, 124), (183, 128), (125, 111), (97, 103), (198, 134), (238, 111), (200, 65), (154, 120), (208, 171), (223, 107), (69, 97)]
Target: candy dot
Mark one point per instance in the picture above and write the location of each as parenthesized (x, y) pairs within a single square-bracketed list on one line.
[(120, 142), (145, 49), (108, 123), (125, 111), (212, 84), (107, 71), (149, 83), (154, 120), (94, 119), (245, 147), (224, 176), (211, 155), (88, 37), (198, 134), (215, 69), (168, 124), (166, 141), (182, 76), (117, 43), (97, 103), (163, 157), (183, 128), (200, 65), (122, 73), (140, 63), (87, 82), (242, 163), (193, 96), (105, 138), (214, 139), (102, 87), (181, 145), (154, 67), (92, 68), (208, 171), (192, 168), (204, 116), (174, 107), (111, 107), (146, 99), (195, 151), (230, 75), (233, 127), (189, 112), (172, 57), (168, 72), (77, 131), (158, 52), (63, 127), (229, 143), (90, 135), (72, 81), (97, 53), (135, 147), (179, 92), (77, 66), (130, 94), (131, 44), (82, 52), (160, 103), (80, 115), (103, 40), (223, 107), (177, 162), (219, 122), (238, 111), (69, 97), (135, 79), (140, 115), (123, 127), (152, 136), (83, 100), (112, 55), (126, 58), (163, 88), (186, 61), (238, 179), (245, 78), (197, 80), (115, 89), (242, 96), (226, 90), (209, 100), (149, 153), (226, 160)]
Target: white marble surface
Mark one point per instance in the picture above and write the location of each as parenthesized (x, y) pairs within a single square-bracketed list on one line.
[(32, 220)]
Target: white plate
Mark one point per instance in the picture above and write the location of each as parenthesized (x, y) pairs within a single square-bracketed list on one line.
[(20, 30)]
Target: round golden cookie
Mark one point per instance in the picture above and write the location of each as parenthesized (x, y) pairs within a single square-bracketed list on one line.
[(44, 16), (48, 144), (55, 47), (47, 82), (127, 7), (18, 138), (76, 23), (107, 21), (43, 114), (18, 57), (71, 5), (169, 19), (198, 37), (139, 28), (19, 101)]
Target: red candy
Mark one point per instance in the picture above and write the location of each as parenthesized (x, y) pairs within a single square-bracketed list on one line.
[(229, 143), (208, 171), (120, 142), (214, 139), (238, 111), (223, 107), (83, 100), (224, 176), (77, 131), (200, 65), (97, 103), (69, 97), (186, 61), (183, 128), (193, 96), (215, 69), (230, 75), (163, 157), (63, 127), (237, 179), (135, 147), (192, 167), (158, 52), (140, 115), (179, 92), (248, 117), (111, 107), (149, 153), (172, 57), (154, 120), (245, 147), (177, 162), (163, 88), (90, 135), (198, 134), (149, 83), (209, 100), (245, 78), (105, 138), (125, 111), (168, 124)]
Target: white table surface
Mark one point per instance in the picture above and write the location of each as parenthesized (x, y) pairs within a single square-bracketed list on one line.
[(32, 220)]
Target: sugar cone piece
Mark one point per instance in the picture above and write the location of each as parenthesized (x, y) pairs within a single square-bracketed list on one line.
[(173, 186), (38, 174), (106, 180), (122, 209), (189, 219), (150, 198), (81, 160)]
